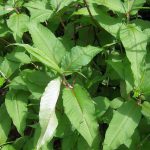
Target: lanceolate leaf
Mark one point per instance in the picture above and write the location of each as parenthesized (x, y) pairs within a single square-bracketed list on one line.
[(16, 104), (135, 42), (78, 57), (46, 41), (122, 125), (41, 56), (47, 116), (80, 110), (5, 124)]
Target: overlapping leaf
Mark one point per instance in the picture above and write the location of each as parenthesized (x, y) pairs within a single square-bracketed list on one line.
[(16, 104), (47, 117), (122, 125), (46, 41), (135, 42), (38, 11), (18, 24), (5, 124), (80, 110), (41, 56), (78, 57)]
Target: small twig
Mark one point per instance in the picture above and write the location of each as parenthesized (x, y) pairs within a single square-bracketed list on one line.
[(88, 9), (66, 84), (62, 23)]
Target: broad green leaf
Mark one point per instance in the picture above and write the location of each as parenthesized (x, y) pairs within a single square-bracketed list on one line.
[(31, 80), (13, 61), (18, 24), (125, 74), (143, 24), (16, 105), (116, 103), (45, 40), (7, 67), (5, 9), (69, 141), (41, 56), (3, 29), (59, 4), (132, 6), (78, 57), (20, 142), (2, 81), (19, 57), (18, 84), (80, 110), (5, 124), (145, 85), (8, 147), (146, 109), (134, 42), (47, 117), (133, 142), (116, 5), (38, 11), (110, 24), (101, 105), (122, 125)]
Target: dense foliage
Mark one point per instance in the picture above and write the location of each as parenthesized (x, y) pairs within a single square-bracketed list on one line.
[(74, 75)]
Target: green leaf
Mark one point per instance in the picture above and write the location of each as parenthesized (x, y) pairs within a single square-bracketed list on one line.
[(101, 105), (5, 124), (117, 5), (110, 24), (125, 74), (18, 24), (5, 9), (31, 80), (116, 103), (41, 56), (2, 81), (146, 109), (8, 147), (3, 29), (46, 41), (78, 57), (80, 110), (38, 11), (19, 57), (122, 125), (59, 4), (69, 142), (7, 67), (132, 6), (47, 117), (134, 42), (16, 104)]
